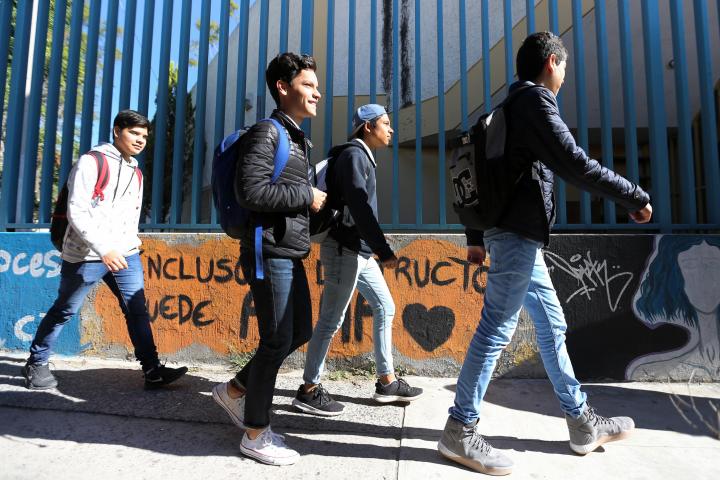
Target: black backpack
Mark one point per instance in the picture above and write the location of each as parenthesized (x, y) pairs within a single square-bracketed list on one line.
[(483, 178)]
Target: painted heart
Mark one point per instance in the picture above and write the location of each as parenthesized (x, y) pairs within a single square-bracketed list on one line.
[(429, 328)]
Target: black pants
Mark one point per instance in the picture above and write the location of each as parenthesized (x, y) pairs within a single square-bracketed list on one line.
[(284, 315)]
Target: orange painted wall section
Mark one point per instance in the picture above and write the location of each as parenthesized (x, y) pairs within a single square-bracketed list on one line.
[(197, 295)]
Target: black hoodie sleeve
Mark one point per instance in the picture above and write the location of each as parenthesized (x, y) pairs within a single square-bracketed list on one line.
[(253, 189), (351, 172), (564, 157)]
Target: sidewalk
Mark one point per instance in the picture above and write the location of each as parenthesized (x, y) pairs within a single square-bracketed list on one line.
[(100, 423)]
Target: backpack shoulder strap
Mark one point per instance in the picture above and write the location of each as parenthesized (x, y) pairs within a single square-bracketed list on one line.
[(139, 175), (103, 174), (282, 154)]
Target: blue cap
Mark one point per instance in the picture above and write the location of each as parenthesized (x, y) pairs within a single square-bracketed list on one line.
[(364, 114)]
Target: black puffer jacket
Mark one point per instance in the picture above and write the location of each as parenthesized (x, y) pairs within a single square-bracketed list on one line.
[(539, 139), (281, 208)]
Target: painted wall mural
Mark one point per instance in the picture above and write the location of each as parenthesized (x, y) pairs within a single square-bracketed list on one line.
[(638, 306)]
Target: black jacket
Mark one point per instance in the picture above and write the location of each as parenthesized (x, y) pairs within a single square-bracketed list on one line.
[(281, 208), (539, 140), (352, 189)]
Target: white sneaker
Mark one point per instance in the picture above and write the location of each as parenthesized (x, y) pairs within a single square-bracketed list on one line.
[(269, 448), (235, 407)]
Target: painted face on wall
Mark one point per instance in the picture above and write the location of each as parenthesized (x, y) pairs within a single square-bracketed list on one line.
[(700, 268)]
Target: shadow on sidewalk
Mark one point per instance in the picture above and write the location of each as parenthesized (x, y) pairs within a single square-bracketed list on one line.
[(650, 409)]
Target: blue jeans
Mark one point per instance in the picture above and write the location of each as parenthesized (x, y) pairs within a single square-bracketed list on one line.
[(284, 316), (342, 272), (76, 280), (517, 277)]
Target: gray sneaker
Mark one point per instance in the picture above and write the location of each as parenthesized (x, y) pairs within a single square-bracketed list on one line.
[(463, 444), (38, 376), (591, 430)]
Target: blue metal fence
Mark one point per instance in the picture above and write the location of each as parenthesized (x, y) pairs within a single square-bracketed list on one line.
[(43, 131)]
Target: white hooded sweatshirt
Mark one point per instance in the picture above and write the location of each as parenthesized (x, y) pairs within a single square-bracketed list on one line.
[(98, 226)]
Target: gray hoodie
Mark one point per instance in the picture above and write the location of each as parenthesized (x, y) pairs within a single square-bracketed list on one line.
[(97, 227)]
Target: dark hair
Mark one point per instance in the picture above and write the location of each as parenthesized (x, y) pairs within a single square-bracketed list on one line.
[(361, 132), (534, 52), (130, 118), (286, 66)]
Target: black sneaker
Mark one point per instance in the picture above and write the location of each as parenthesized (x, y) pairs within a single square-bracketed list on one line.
[(161, 375), (317, 402), (397, 391), (38, 376)]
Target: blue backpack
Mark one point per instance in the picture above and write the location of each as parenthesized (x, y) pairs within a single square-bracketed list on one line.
[(234, 219)]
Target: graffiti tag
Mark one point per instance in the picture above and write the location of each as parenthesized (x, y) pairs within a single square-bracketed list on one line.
[(592, 275)]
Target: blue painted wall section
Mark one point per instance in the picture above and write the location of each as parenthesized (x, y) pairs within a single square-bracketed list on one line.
[(29, 279)]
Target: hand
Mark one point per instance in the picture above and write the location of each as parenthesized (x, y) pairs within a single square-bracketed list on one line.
[(319, 198), (391, 262), (114, 261), (476, 255), (643, 215)]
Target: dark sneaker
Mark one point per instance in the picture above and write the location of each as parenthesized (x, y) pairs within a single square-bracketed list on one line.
[(161, 375), (317, 402), (591, 430), (38, 376), (463, 444), (397, 391)]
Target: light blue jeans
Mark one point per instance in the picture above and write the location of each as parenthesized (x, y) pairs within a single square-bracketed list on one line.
[(517, 277), (342, 272)]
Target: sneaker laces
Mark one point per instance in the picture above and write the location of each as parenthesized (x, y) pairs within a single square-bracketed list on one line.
[(323, 394), (271, 438), (596, 418), (477, 441)]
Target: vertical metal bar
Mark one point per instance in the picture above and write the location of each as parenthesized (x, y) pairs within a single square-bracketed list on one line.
[(487, 88), (71, 86), (108, 70), (33, 120), (560, 191), (16, 112), (91, 57), (306, 43), (708, 115), (284, 23), (329, 66), (509, 63), (262, 58), (351, 64), (6, 7), (656, 114), (199, 142), (222, 74), (146, 57), (605, 112), (580, 98), (127, 54), (419, 198), (688, 212), (161, 115), (373, 51), (180, 109), (628, 81), (51, 115), (463, 67), (242, 64), (441, 116), (530, 15), (396, 112), (221, 85)]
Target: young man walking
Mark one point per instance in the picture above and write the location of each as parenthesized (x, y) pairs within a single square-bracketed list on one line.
[(348, 262), (540, 144), (274, 269), (101, 243)]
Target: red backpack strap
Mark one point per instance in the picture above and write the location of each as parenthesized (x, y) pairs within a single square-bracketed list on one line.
[(138, 172), (103, 174)]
